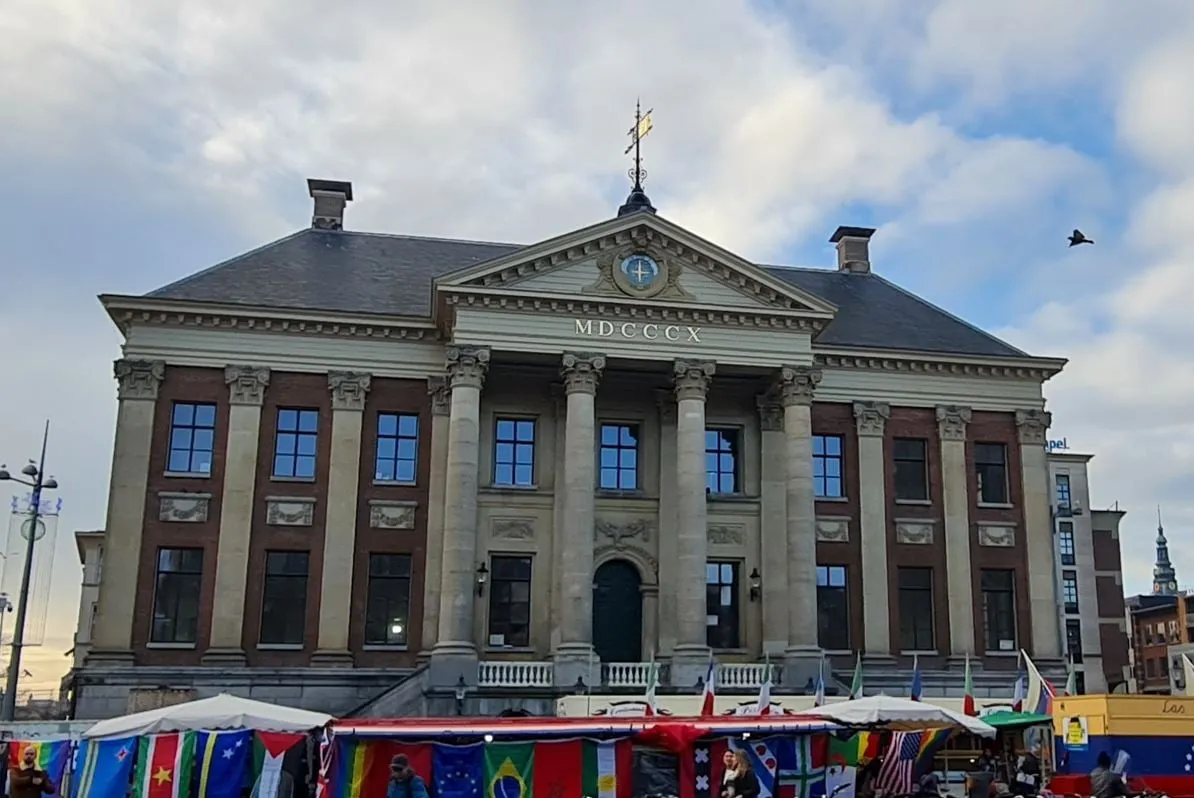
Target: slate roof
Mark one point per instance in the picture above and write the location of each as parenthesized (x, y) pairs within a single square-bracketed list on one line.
[(392, 275)]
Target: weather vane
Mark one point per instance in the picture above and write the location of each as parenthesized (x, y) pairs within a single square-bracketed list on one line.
[(642, 126)]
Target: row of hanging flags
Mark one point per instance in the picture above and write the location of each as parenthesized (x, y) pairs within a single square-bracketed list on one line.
[(190, 764), (1032, 692)]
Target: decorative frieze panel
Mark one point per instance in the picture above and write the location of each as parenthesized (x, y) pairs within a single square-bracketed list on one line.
[(138, 379), (915, 531), (833, 530), (392, 514), (289, 511), (727, 534), (189, 508), (619, 533), (1001, 536), (512, 528)]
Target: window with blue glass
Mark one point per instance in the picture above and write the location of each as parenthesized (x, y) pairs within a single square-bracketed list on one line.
[(722, 446), (296, 442), (192, 438), (827, 466), (619, 457), (397, 447), (514, 453)]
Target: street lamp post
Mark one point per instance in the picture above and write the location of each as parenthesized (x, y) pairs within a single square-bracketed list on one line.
[(38, 482)]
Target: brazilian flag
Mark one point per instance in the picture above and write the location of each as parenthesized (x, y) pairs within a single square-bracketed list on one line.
[(508, 769)]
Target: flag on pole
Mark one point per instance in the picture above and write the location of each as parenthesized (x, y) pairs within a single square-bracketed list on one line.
[(819, 694), (1071, 680), (709, 696), (1018, 692), (917, 689), (1188, 674), (1038, 698), (652, 686), (856, 683), (763, 706), (165, 763), (968, 706)]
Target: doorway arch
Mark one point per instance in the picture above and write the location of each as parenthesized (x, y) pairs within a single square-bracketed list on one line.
[(618, 612)]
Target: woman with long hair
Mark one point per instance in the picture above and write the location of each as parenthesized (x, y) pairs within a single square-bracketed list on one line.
[(740, 780)]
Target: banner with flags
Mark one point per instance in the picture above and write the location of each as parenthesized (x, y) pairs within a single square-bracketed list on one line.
[(165, 763), (277, 762), (909, 755), (50, 757), (222, 763), (102, 768)]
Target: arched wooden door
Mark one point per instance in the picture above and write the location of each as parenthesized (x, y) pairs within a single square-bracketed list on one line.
[(618, 612)]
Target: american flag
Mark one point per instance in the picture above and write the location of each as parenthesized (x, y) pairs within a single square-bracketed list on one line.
[(899, 769)]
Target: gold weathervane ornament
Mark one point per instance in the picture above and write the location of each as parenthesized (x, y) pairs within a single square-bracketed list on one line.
[(642, 126)]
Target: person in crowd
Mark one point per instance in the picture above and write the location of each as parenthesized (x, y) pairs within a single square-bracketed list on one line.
[(1104, 782), (743, 783), (26, 781), (1027, 781), (928, 786), (729, 769), (404, 782)]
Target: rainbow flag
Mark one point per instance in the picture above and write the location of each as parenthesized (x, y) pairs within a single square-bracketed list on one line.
[(357, 762), (52, 756)]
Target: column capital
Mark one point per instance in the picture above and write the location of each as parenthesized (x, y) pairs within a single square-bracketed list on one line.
[(349, 389), (246, 384), (797, 384), (771, 412), (871, 417), (952, 421), (138, 379), (1032, 426), (441, 397), (467, 365), (692, 378), (665, 400), (581, 371)]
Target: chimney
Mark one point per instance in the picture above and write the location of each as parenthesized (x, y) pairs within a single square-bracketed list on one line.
[(853, 249), (330, 198)]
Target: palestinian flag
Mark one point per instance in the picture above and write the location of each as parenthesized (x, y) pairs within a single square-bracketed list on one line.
[(165, 763), (277, 759), (598, 769)]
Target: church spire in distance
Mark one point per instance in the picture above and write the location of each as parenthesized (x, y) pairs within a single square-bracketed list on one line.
[(1164, 577), (638, 201)]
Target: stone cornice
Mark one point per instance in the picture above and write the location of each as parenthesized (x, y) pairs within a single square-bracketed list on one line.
[(1036, 369)]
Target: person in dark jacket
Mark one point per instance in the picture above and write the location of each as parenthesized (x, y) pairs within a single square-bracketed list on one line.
[(26, 781), (404, 782), (743, 783)]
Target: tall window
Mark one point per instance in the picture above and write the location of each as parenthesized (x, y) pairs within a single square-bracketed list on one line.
[(721, 604), (1073, 639), (999, 609), (387, 611), (397, 447), (827, 466), (833, 608), (911, 463), (1080, 682), (192, 438), (1069, 591), (1063, 493), (510, 601), (619, 457), (916, 609), (990, 462), (296, 442), (176, 596), (1065, 542), (722, 448), (284, 598), (514, 453)]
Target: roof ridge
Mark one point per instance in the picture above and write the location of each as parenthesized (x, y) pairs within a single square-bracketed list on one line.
[(229, 262), (438, 239)]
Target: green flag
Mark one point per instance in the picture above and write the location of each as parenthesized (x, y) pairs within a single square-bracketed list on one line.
[(856, 684), (508, 769)]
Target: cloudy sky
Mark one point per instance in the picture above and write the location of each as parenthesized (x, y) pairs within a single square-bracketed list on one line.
[(144, 141)]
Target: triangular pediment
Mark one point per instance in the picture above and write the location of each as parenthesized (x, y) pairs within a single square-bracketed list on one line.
[(641, 257)]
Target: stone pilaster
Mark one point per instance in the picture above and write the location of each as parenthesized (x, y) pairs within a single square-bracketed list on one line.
[(803, 655), (871, 418), (1038, 533), (668, 550), (691, 654), (555, 545), (455, 652), (773, 524), (138, 382), (349, 391), (441, 400), (951, 428), (246, 393), (581, 373)]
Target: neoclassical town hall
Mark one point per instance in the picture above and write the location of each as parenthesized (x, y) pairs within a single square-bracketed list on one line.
[(369, 472)]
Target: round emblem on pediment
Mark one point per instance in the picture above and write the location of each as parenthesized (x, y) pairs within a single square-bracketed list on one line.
[(639, 274)]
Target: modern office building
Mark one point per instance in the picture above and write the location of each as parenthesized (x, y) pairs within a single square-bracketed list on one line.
[(355, 467)]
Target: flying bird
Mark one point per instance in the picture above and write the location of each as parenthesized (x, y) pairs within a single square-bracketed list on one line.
[(1077, 238)]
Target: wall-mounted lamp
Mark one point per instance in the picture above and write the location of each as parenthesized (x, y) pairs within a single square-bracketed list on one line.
[(756, 585), (482, 578)]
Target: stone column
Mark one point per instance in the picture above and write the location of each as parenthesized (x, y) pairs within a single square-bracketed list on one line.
[(668, 550), (773, 525), (872, 527), (581, 372), (955, 479), (690, 658), (441, 399), (455, 652), (1038, 533), (246, 392), (138, 382), (349, 390), (802, 657), (560, 417)]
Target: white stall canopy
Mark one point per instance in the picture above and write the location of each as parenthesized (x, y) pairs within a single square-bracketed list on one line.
[(900, 714), (218, 712)]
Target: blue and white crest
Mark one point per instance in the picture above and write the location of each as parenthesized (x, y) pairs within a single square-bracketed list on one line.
[(641, 271)]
